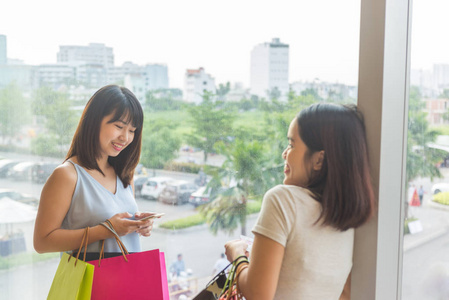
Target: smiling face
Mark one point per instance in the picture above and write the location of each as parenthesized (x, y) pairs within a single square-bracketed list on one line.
[(298, 163), (115, 136)]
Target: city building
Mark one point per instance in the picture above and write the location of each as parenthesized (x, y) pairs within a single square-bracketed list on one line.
[(435, 109), (441, 75), (336, 92), (269, 69), (156, 76), (136, 84), (196, 82), (94, 53), (54, 75), (3, 53)]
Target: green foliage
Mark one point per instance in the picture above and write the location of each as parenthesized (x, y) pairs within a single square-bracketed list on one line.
[(182, 167), (444, 94), (14, 112), (441, 198), (59, 119), (199, 218), (46, 145), (182, 223), (421, 159), (312, 93), (211, 123), (227, 211), (159, 147), (223, 89), (163, 100), (19, 259)]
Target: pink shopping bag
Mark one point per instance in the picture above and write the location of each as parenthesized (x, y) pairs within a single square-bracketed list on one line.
[(143, 276)]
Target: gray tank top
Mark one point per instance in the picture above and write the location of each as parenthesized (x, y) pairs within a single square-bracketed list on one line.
[(92, 204)]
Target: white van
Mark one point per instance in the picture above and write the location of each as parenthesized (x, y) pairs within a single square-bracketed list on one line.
[(153, 187)]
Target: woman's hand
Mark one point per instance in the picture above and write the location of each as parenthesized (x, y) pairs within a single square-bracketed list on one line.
[(236, 248), (145, 229), (123, 225)]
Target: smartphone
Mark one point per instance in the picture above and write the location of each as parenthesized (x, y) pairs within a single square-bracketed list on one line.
[(156, 215)]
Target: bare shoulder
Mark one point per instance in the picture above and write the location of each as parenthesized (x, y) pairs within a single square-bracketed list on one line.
[(65, 174)]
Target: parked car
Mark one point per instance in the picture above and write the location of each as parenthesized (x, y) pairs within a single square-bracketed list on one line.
[(203, 195), (21, 171), (139, 182), (20, 197), (177, 192), (41, 171), (440, 187), (6, 165), (154, 186)]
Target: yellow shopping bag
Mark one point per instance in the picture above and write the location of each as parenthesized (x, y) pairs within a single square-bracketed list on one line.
[(73, 278)]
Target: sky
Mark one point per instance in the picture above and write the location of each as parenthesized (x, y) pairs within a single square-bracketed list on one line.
[(217, 35)]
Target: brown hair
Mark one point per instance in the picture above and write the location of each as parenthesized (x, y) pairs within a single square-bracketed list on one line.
[(343, 184), (85, 144)]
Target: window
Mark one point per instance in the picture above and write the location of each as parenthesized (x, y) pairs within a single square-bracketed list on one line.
[(310, 65)]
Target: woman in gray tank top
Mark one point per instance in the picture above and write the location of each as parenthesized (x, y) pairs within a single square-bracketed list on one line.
[(95, 182)]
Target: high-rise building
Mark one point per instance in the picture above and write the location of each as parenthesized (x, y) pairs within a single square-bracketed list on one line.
[(156, 77), (94, 53), (3, 56), (441, 75), (196, 82), (269, 69)]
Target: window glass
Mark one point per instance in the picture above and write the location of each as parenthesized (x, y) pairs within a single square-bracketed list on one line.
[(217, 81), (425, 261)]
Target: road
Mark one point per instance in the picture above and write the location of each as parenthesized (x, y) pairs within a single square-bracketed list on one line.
[(426, 271)]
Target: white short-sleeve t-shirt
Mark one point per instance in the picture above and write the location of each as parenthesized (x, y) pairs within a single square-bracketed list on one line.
[(317, 258)]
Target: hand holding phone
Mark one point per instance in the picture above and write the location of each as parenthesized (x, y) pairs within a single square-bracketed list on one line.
[(155, 215)]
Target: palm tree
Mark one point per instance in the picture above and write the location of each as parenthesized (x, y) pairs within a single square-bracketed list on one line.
[(241, 176)]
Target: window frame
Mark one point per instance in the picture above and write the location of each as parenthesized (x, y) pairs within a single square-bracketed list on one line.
[(384, 68)]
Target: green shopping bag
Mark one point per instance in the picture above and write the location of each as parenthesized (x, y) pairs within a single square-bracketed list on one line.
[(73, 278)]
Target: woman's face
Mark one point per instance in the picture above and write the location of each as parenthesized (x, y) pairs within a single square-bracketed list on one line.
[(115, 136), (297, 168)]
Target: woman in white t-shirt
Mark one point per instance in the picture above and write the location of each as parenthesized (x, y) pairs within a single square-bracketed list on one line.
[(305, 231)]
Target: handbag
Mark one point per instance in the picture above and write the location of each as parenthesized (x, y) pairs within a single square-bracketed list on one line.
[(224, 286), (140, 275), (73, 278), (214, 287)]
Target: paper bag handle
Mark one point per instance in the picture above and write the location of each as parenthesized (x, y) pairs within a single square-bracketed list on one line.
[(84, 242), (108, 225)]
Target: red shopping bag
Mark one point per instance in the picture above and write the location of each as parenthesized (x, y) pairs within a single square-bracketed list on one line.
[(140, 275)]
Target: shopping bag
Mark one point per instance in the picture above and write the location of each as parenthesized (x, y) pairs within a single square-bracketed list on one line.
[(73, 278), (215, 286), (140, 275)]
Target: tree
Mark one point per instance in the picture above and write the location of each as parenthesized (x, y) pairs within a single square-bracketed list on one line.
[(14, 112), (444, 94), (163, 99), (58, 117), (211, 123), (421, 159), (312, 92), (159, 147), (241, 175), (223, 89)]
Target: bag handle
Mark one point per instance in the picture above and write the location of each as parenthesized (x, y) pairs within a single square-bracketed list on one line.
[(84, 242), (108, 225)]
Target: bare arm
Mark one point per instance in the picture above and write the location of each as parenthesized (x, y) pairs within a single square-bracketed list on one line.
[(260, 279), (54, 204)]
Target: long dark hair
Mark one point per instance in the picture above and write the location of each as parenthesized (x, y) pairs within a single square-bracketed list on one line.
[(343, 184), (85, 144)]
